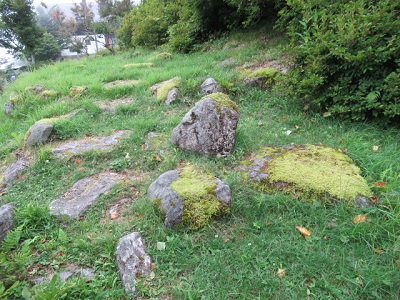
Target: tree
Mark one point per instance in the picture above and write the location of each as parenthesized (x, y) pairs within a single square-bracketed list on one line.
[(19, 31), (84, 16)]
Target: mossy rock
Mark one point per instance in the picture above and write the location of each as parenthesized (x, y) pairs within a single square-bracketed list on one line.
[(162, 89), (48, 94), (77, 91), (35, 89), (309, 171), (164, 55), (222, 100), (262, 77), (190, 198)]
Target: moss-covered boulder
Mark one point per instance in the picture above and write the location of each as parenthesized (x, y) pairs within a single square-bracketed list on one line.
[(310, 172), (163, 89), (189, 198), (209, 127)]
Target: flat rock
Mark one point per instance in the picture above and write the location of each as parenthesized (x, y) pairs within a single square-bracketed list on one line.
[(103, 144), (111, 106), (131, 260), (83, 194), (14, 170), (6, 219)]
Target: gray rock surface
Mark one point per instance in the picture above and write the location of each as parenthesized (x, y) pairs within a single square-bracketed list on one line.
[(106, 143), (14, 169), (131, 260), (209, 86), (207, 129), (67, 273), (171, 202), (172, 95), (8, 108), (6, 219), (257, 82), (83, 194), (38, 133)]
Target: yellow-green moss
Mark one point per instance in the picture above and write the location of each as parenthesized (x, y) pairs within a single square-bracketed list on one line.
[(164, 88), (49, 94), (137, 65), (164, 55), (222, 100), (200, 202), (316, 170), (77, 91), (264, 72)]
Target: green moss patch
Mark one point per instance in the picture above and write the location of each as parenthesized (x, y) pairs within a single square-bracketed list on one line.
[(165, 87), (222, 100), (313, 171), (77, 91), (200, 202)]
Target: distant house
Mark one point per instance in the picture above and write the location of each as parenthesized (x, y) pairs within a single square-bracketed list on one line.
[(91, 44)]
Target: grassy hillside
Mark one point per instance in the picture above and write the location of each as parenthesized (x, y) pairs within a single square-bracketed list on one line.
[(241, 256)]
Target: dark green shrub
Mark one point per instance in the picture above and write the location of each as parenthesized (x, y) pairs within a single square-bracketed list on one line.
[(346, 56)]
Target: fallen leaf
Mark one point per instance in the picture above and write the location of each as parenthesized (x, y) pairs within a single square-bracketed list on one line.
[(373, 199), (138, 216), (360, 219), (152, 266), (88, 134), (114, 215), (281, 273), (127, 155), (268, 223), (304, 231), (378, 250), (156, 158), (78, 161), (380, 184), (260, 124), (160, 246), (397, 261), (375, 148)]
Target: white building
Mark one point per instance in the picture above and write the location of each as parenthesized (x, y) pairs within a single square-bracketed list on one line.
[(92, 44)]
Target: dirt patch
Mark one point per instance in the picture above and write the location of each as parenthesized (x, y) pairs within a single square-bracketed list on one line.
[(120, 83), (111, 106)]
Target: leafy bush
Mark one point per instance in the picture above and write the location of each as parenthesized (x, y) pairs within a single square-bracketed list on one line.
[(346, 56)]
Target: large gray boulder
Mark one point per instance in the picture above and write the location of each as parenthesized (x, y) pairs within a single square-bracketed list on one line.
[(190, 198), (209, 86), (209, 127), (132, 260), (6, 219), (38, 133)]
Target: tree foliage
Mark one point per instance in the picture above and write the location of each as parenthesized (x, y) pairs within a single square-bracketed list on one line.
[(19, 31), (347, 56)]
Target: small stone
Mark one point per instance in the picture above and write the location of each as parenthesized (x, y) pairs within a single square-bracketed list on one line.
[(14, 170), (131, 260), (6, 219), (8, 108), (172, 95), (209, 86)]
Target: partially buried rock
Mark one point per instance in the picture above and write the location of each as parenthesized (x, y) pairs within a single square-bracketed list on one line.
[(132, 261), (83, 194), (209, 86), (189, 198), (6, 219), (310, 172), (38, 133), (8, 108), (14, 170), (209, 127)]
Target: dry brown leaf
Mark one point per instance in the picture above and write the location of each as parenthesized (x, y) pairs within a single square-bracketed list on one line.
[(281, 273), (378, 250), (114, 215), (360, 219), (156, 158), (304, 231), (380, 184)]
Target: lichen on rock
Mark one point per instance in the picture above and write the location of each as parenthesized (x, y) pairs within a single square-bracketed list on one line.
[(310, 171), (162, 89)]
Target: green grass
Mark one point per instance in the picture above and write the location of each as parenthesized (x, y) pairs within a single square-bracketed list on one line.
[(236, 257)]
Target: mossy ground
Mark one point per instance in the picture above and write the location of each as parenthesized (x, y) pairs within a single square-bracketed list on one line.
[(314, 171)]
